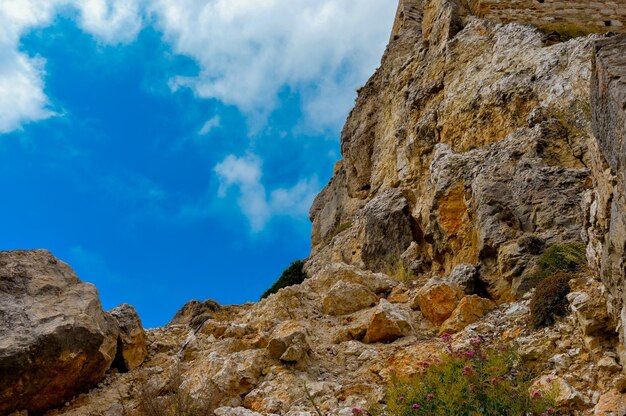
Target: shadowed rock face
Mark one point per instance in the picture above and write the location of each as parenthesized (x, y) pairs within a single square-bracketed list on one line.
[(55, 340), (606, 212)]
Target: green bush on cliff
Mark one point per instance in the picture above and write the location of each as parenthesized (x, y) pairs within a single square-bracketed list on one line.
[(475, 381), (292, 275), (559, 258), (550, 300)]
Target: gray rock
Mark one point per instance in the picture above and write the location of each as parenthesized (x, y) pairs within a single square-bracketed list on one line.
[(388, 231), (465, 276), (131, 349), (55, 339)]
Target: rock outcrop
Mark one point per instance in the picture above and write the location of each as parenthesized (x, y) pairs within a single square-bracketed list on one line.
[(55, 340), (481, 146), (131, 342)]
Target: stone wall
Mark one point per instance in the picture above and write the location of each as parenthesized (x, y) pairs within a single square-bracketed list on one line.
[(606, 229), (573, 16)]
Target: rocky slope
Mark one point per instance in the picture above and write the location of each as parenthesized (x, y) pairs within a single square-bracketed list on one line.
[(474, 148)]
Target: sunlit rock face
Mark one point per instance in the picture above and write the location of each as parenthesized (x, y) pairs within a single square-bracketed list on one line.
[(471, 138), (55, 339)]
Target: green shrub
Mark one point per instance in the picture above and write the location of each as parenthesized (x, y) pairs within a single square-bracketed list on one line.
[(567, 258), (550, 300), (292, 275), (473, 382)]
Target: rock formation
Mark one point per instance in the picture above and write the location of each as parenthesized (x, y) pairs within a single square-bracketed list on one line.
[(479, 145), (55, 339)]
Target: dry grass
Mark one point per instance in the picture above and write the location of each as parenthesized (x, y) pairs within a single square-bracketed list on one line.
[(174, 400)]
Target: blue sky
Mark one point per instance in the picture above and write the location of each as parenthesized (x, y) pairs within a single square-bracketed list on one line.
[(170, 150)]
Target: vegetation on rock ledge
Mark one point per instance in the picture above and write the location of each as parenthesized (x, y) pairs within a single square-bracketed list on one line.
[(469, 382), (292, 275), (550, 300)]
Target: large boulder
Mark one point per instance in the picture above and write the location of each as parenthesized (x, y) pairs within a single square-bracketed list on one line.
[(470, 309), (345, 297), (437, 299), (289, 342), (55, 339), (131, 343), (388, 323)]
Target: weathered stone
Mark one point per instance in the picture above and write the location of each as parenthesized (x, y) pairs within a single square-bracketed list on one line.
[(131, 343), (591, 312), (437, 300), (235, 411), (609, 364), (611, 403), (330, 274), (344, 298), (289, 342), (388, 323), (55, 339), (195, 312), (470, 309), (559, 390), (388, 231), (465, 276)]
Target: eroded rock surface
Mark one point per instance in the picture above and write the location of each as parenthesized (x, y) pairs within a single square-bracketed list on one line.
[(55, 340)]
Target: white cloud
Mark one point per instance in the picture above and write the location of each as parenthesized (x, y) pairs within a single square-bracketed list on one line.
[(22, 97), (245, 174), (210, 125), (250, 50)]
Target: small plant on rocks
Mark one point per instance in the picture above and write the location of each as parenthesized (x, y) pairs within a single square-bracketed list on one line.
[(292, 275), (476, 381), (550, 300)]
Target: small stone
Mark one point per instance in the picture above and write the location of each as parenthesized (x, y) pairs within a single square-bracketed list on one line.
[(609, 364)]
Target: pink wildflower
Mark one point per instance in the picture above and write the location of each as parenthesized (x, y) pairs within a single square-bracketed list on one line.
[(537, 394), (476, 341), (467, 370), (401, 398), (357, 411), (469, 353), (416, 406), (425, 364), (445, 337), (430, 396)]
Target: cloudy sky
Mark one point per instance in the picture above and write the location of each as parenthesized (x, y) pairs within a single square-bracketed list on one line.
[(170, 149)]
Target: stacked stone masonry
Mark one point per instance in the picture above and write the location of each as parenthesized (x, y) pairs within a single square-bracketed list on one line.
[(595, 16)]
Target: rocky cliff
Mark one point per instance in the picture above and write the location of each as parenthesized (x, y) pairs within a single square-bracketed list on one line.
[(478, 149)]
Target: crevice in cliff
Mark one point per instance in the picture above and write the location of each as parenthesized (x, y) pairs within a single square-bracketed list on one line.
[(119, 363)]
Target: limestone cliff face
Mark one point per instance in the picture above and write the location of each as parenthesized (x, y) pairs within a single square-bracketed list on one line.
[(471, 138)]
